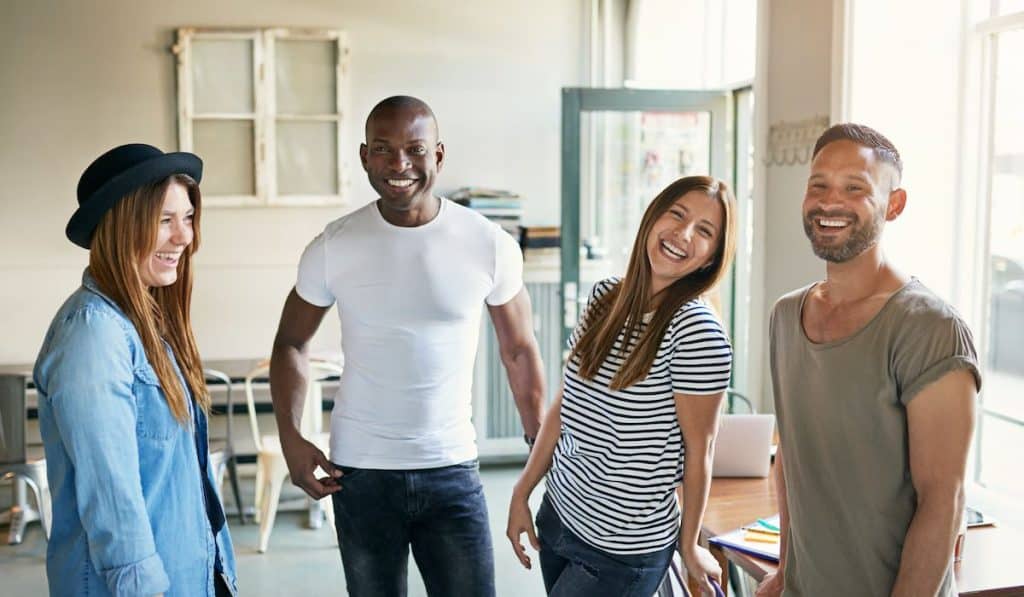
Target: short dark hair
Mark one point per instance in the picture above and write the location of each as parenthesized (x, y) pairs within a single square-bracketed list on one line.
[(864, 136), (401, 102)]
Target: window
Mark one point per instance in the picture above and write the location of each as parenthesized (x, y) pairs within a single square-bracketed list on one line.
[(1001, 423), (263, 109)]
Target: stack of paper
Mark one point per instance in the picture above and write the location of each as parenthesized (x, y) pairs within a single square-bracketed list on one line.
[(760, 538)]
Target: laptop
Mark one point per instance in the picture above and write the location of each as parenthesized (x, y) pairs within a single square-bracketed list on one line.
[(743, 446)]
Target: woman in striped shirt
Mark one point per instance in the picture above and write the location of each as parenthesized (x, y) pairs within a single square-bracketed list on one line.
[(648, 367)]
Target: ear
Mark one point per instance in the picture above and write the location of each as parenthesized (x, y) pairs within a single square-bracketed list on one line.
[(364, 152), (439, 155), (897, 201)]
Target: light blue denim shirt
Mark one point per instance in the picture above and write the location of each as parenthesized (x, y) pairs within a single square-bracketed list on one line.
[(129, 503)]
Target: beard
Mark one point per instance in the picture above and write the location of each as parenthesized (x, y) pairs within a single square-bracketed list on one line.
[(863, 235)]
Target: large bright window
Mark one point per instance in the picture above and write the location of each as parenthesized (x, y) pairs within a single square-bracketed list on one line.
[(1001, 425)]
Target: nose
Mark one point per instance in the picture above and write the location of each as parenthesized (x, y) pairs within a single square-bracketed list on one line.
[(399, 161), (181, 233), (685, 231)]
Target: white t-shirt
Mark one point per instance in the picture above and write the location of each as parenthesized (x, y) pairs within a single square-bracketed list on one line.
[(410, 301)]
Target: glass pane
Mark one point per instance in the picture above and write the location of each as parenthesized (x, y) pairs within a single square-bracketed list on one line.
[(1005, 7), (226, 147), (306, 77), (307, 158), (222, 76), (1004, 389), (1000, 465), (638, 155)]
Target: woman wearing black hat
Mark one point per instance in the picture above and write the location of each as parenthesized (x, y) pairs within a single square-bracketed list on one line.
[(122, 399)]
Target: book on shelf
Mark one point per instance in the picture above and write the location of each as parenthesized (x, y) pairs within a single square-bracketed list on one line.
[(759, 538), (482, 192), (540, 237)]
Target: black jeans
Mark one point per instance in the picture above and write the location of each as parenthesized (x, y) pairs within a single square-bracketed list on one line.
[(439, 512), (572, 567)]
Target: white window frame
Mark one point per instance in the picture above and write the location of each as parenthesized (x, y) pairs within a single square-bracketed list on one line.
[(978, 73), (264, 114)]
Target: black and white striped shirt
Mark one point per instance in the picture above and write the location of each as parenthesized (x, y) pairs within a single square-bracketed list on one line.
[(620, 454)]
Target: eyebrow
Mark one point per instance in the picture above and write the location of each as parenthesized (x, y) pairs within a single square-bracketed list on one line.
[(858, 177)]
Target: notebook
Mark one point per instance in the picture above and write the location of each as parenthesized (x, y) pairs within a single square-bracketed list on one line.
[(753, 539), (743, 446)]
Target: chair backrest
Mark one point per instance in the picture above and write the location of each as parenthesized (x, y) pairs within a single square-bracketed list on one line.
[(319, 369), (221, 378), (12, 419), (732, 397)]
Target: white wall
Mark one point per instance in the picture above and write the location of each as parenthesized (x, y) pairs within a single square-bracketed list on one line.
[(81, 77)]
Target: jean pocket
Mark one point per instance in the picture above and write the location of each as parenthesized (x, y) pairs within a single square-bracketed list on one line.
[(349, 472), (154, 419)]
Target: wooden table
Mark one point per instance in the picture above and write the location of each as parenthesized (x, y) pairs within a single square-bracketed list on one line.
[(991, 565)]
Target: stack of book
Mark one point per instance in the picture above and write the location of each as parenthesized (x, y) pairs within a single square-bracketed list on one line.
[(541, 244), (760, 538), (504, 208)]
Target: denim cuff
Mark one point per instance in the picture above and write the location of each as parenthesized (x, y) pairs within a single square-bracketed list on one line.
[(145, 577)]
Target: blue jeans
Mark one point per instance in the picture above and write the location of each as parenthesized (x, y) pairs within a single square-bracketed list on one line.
[(571, 567), (439, 512)]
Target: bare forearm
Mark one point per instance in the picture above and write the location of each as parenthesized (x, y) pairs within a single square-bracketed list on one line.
[(696, 485), (928, 546), (288, 371), (526, 379), (543, 451)]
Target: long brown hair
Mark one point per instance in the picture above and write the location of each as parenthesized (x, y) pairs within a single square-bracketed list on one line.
[(126, 235), (622, 308)]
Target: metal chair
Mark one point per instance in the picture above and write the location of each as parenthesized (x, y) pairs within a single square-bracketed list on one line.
[(223, 457), (272, 469), (16, 466), (731, 396)]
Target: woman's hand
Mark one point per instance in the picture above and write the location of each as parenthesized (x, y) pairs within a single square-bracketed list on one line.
[(700, 564), (520, 520)]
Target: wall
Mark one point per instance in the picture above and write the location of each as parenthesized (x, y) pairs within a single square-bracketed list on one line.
[(794, 75), (81, 77)]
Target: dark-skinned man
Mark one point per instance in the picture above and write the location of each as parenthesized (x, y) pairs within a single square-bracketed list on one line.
[(410, 274)]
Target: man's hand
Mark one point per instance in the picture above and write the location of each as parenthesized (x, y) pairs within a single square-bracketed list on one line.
[(771, 585), (303, 458), (520, 520)]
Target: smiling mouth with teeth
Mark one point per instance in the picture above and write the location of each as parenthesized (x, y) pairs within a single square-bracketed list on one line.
[(400, 182), (168, 257), (832, 223), (673, 250)]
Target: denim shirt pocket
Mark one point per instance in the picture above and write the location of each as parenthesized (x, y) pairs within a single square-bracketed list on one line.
[(155, 421)]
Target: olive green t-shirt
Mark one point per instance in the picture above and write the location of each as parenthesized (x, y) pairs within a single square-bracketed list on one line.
[(842, 413)]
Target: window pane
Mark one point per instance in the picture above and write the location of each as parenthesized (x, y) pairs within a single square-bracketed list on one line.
[(1004, 383), (222, 76), (1000, 452), (226, 148), (307, 158), (1005, 7), (306, 77)]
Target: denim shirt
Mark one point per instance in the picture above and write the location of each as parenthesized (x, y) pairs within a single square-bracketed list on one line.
[(130, 503)]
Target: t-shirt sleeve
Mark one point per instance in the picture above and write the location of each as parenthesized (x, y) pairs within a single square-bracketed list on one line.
[(701, 353), (930, 348), (508, 269), (311, 285)]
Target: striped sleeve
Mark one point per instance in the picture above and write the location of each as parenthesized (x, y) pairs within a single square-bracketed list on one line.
[(701, 353)]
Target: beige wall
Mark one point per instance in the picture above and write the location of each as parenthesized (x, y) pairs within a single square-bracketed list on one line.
[(794, 83), (80, 77)]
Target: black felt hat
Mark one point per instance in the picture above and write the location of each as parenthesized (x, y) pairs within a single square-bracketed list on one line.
[(115, 174)]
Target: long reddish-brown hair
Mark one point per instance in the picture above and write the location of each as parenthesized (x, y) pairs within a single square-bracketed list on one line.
[(621, 310), (125, 236)]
